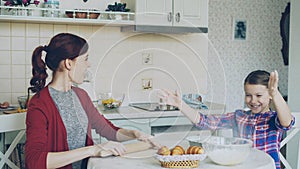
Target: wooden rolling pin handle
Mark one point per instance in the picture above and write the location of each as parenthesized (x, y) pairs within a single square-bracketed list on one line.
[(130, 148), (10, 111)]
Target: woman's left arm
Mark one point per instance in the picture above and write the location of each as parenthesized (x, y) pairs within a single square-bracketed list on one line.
[(283, 111)]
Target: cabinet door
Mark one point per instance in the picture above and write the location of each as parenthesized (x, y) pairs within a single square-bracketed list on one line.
[(170, 124), (135, 124), (191, 13), (170, 121), (154, 12)]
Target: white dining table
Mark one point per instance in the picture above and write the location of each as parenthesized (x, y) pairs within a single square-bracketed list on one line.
[(146, 159)]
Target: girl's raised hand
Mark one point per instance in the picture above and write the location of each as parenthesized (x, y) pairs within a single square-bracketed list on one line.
[(273, 83)]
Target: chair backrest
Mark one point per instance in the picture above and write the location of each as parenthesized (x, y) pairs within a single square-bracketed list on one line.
[(291, 134), (297, 119), (297, 125), (298, 162)]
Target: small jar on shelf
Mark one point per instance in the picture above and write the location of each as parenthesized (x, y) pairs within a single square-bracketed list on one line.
[(51, 8)]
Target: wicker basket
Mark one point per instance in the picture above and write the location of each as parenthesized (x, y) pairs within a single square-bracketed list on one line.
[(180, 164), (180, 161)]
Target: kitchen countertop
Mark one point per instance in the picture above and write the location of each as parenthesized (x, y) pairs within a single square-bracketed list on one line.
[(127, 112), (12, 122)]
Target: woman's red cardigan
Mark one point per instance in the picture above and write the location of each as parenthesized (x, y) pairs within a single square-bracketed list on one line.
[(45, 130)]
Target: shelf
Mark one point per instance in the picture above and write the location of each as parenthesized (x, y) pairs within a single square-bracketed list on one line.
[(36, 15), (30, 19)]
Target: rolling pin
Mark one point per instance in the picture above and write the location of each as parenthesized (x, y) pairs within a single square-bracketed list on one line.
[(130, 148), (10, 111)]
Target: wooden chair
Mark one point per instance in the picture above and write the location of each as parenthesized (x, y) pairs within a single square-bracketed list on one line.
[(291, 134), (11, 122), (298, 163)]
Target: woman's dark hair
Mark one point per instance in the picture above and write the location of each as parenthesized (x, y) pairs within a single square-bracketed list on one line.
[(62, 46), (258, 77)]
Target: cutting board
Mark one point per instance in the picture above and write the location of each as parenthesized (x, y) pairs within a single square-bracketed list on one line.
[(10, 111), (130, 148)]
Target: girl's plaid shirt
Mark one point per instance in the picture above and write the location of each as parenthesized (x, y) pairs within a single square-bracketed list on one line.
[(263, 129)]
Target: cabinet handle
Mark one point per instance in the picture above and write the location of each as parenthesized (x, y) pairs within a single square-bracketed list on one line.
[(170, 17), (177, 17)]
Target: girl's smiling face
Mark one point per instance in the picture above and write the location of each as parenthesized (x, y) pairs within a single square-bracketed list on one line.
[(257, 98)]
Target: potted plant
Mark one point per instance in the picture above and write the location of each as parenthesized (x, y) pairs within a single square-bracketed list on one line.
[(20, 4), (117, 7)]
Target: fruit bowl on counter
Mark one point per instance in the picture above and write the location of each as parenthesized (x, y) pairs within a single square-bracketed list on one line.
[(109, 102)]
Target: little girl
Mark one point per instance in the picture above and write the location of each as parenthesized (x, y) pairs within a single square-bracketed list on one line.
[(260, 124)]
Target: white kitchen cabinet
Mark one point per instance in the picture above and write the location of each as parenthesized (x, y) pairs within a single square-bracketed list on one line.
[(184, 13), (180, 16), (170, 121), (181, 124), (170, 124), (152, 125), (136, 124)]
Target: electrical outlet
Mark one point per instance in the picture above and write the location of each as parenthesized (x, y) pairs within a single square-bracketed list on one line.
[(147, 84), (147, 58)]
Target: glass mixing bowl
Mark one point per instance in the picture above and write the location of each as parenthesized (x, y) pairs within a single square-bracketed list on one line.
[(22, 100), (227, 150)]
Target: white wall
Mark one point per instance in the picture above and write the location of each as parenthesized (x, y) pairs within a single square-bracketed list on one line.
[(294, 68), (228, 63), (179, 61), (294, 75), (236, 58)]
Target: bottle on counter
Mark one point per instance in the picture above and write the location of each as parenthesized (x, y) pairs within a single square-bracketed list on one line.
[(51, 8)]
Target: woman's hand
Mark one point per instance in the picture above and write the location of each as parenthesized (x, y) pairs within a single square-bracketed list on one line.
[(125, 135), (170, 98), (145, 138), (273, 83), (115, 148)]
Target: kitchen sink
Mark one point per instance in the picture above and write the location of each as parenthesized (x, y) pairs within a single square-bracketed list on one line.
[(153, 106)]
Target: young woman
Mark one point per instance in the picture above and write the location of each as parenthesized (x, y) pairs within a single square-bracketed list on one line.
[(60, 116), (260, 124)]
